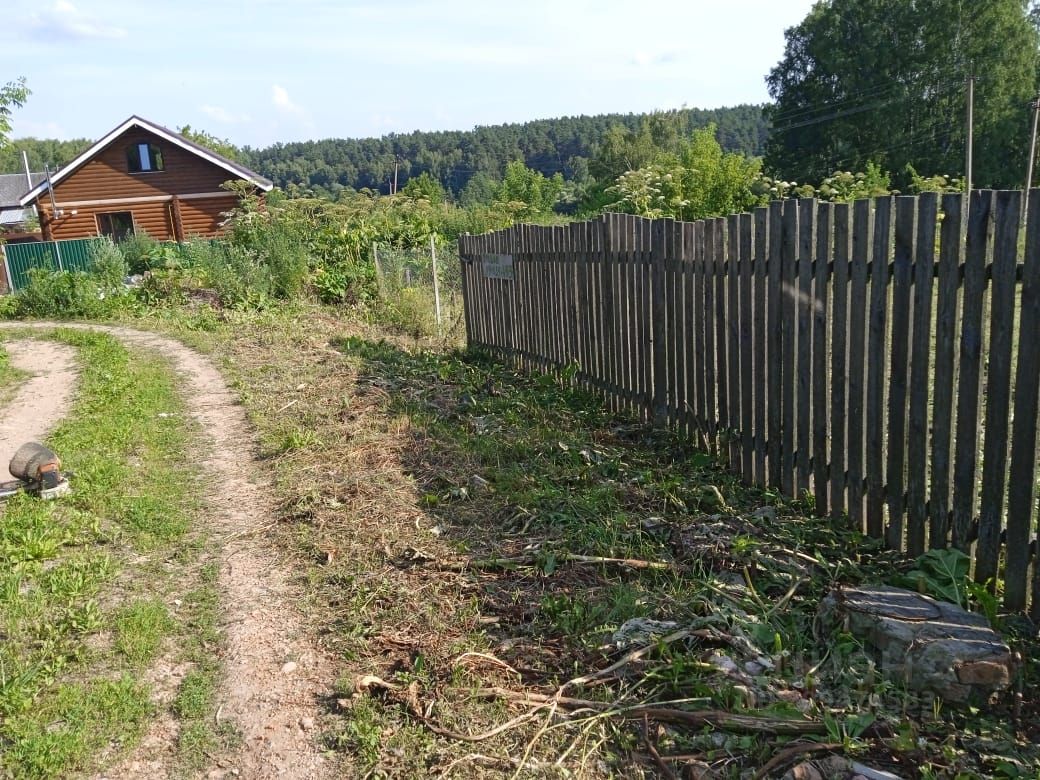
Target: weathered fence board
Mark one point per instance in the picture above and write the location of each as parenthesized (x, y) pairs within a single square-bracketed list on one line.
[(946, 318), (819, 303), (746, 449), (758, 355), (803, 350), (898, 375), (732, 283), (839, 378), (1022, 475), (788, 318), (876, 367), (920, 368), (969, 387), (998, 384), (774, 356), (834, 348), (862, 238)]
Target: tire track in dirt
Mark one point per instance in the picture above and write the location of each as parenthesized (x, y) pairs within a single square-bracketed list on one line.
[(274, 674), (41, 400)]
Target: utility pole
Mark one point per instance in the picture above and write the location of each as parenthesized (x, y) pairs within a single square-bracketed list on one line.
[(397, 160), (971, 130), (1035, 105)]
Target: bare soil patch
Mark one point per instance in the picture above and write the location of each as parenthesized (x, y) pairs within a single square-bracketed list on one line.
[(40, 402)]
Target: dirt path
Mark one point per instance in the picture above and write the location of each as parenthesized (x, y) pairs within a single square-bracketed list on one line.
[(41, 400), (274, 674)]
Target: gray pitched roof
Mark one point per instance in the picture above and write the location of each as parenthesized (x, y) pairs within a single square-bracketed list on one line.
[(13, 187)]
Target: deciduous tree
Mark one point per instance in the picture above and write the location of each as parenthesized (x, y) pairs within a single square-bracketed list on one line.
[(884, 80), (12, 95)]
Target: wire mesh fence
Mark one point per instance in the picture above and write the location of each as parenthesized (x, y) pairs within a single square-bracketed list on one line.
[(421, 287)]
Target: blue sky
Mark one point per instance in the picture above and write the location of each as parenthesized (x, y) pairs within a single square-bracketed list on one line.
[(261, 71)]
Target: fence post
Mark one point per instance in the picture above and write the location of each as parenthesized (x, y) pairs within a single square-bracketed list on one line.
[(379, 270), (659, 403), (8, 283), (436, 286)]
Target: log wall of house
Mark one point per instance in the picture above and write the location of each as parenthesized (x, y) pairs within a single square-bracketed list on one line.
[(200, 217)]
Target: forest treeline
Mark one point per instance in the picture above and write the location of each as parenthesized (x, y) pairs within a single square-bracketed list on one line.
[(453, 158)]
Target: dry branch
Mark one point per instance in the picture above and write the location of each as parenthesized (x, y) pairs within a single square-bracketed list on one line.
[(793, 751), (530, 560), (720, 719)]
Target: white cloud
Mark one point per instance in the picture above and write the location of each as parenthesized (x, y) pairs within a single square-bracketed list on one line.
[(645, 59), (382, 122), (222, 115), (64, 22), (282, 102)]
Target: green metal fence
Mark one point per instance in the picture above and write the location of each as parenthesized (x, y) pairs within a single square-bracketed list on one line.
[(54, 255)]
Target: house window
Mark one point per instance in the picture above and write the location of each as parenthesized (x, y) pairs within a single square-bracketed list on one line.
[(117, 225), (143, 158)]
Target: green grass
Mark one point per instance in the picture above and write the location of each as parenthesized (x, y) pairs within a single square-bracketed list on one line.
[(140, 629), (10, 377), (71, 723), (80, 621), (200, 734)]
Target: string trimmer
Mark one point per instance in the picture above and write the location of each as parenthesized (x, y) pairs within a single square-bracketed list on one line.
[(36, 470)]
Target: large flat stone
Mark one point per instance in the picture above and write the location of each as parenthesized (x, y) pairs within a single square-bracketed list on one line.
[(927, 645)]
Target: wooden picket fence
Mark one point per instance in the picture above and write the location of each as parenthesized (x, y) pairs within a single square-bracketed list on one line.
[(882, 355)]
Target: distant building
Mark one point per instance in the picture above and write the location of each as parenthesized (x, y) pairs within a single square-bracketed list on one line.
[(17, 223), (140, 178)]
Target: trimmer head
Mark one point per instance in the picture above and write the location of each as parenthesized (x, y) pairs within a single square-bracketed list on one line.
[(36, 470)]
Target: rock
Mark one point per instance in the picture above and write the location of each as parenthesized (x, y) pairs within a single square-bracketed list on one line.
[(805, 771), (986, 673), (477, 484), (868, 773), (724, 663), (642, 631), (929, 646), (306, 723), (767, 513), (698, 770), (289, 667), (754, 668)]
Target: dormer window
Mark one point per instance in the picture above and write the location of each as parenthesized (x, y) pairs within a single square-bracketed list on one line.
[(144, 158)]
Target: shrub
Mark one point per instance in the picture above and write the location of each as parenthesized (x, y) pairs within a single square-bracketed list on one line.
[(108, 264), (410, 311), (68, 295), (139, 251)]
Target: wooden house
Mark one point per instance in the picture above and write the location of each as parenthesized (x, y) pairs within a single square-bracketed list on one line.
[(140, 178)]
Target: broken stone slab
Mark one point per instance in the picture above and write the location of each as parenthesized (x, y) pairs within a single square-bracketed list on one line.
[(642, 631), (928, 645)]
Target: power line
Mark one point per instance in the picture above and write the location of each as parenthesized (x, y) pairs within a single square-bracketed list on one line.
[(852, 97), (937, 132), (857, 110), (876, 91)]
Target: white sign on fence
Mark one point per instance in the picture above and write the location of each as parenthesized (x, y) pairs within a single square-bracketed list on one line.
[(497, 266)]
